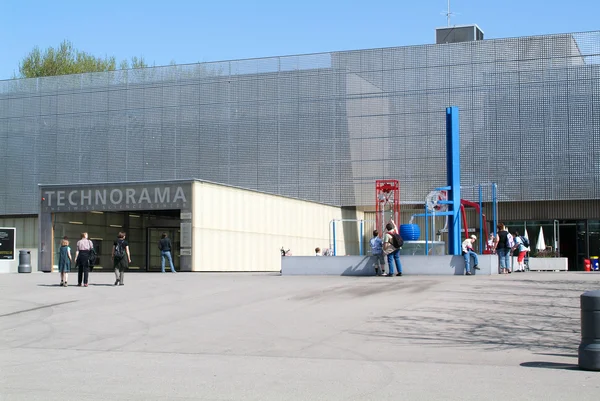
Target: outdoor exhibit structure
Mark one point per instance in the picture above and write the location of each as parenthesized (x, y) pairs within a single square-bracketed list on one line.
[(388, 199)]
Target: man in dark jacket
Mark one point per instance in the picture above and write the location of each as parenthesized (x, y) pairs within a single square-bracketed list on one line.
[(165, 252)]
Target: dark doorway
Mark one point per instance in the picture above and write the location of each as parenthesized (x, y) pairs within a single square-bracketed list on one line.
[(568, 244)]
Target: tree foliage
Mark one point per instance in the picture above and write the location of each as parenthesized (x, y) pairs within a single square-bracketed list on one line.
[(65, 59)]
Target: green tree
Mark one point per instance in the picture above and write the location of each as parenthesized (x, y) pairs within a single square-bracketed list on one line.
[(63, 60), (136, 62)]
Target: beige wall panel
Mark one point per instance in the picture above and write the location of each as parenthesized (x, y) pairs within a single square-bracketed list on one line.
[(27, 230), (241, 230)]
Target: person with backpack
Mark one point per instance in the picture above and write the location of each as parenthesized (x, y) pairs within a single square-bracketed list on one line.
[(121, 257), (165, 252), (392, 242), (503, 248), (85, 248), (377, 251), (521, 247), (468, 252)]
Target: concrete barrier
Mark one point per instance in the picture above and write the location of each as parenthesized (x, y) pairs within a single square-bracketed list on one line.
[(444, 265), (548, 264), (589, 348)]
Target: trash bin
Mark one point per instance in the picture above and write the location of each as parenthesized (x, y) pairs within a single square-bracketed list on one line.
[(589, 348), (587, 265), (24, 261), (594, 260)]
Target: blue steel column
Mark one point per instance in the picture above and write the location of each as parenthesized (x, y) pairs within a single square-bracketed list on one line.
[(360, 245), (494, 207), (334, 241), (481, 239), (426, 232), (453, 177)]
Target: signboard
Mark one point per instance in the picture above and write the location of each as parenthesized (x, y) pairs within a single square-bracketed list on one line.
[(185, 240), (8, 244), (120, 197)]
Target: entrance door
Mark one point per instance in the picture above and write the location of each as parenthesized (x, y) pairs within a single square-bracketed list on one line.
[(568, 244), (153, 255)]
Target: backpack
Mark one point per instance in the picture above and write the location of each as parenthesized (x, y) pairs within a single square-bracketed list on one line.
[(510, 241), (397, 240), (119, 251), (525, 242), (92, 258)]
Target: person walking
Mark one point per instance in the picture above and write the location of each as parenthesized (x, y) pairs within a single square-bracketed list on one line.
[(377, 251), (165, 252), (121, 257), (468, 252), (503, 248), (82, 259), (64, 262), (391, 247)]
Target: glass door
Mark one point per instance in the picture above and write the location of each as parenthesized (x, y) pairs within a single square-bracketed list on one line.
[(153, 254)]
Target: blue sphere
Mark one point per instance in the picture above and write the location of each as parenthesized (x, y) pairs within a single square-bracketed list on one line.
[(410, 232)]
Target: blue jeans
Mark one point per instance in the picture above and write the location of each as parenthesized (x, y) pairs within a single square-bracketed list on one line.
[(166, 254), (391, 257), (503, 258), (467, 257)]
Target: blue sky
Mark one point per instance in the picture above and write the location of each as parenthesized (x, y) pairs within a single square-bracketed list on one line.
[(193, 31)]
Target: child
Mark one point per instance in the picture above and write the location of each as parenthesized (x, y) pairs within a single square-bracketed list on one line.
[(64, 262), (377, 251)]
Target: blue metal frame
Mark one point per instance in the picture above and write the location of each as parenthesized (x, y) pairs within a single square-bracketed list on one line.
[(453, 179), (334, 242), (481, 239), (426, 232), (495, 207), (360, 245)]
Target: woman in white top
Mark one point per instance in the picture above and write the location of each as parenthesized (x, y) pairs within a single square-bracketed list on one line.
[(84, 245)]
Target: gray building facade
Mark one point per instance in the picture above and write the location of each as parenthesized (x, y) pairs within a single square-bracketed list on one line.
[(322, 127)]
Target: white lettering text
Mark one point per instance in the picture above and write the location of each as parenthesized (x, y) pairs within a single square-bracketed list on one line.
[(165, 197), (112, 198), (60, 198), (145, 196), (100, 197), (179, 195), (71, 201)]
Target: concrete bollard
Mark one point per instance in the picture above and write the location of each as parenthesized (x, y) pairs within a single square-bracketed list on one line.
[(24, 262), (589, 348)]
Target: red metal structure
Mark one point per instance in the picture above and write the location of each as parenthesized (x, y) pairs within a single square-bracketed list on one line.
[(387, 200), (463, 203)]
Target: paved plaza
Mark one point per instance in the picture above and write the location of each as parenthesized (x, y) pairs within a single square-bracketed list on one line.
[(193, 336)]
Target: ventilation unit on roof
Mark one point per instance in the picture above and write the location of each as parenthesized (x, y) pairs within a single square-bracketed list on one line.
[(457, 34)]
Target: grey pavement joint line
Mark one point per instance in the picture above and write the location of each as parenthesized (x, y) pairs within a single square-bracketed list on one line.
[(36, 308)]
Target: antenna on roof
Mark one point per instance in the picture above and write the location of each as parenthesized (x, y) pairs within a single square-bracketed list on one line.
[(449, 14)]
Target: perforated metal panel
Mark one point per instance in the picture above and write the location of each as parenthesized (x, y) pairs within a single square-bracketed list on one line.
[(321, 127)]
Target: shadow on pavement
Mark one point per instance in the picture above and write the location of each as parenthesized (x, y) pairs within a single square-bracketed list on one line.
[(562, 355), (550, 365)]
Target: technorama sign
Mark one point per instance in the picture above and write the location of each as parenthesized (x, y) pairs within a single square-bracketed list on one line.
[(116, 197)]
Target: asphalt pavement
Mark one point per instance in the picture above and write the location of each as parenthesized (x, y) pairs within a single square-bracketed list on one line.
[(194, 336)]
